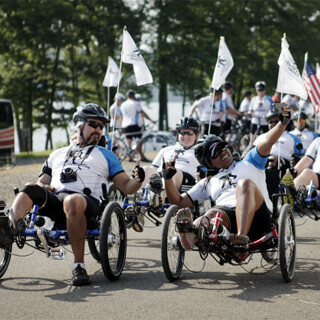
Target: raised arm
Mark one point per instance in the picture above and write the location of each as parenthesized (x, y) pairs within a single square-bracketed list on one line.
[(265, 145)]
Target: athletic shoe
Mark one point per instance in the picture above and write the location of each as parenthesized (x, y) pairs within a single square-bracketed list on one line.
[(80, 277), (239, 239), (287, 181), (138, 223), (184, 224)]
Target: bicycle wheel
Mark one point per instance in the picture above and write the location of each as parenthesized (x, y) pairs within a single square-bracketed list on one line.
[(287, 243), (113, 241), (172, 253), (5, 256), (151, 144), (122, 148), (94, 247), (114, 194)]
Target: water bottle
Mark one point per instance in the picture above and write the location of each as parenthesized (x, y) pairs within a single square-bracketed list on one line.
[(57, 253), (44, 223)]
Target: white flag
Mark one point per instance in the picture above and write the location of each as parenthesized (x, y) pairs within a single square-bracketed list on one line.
[(289, 78), (131, 54), (223, 66), (113, 74)]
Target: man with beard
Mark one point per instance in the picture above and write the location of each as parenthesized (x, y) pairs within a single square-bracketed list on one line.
[(70, 185)]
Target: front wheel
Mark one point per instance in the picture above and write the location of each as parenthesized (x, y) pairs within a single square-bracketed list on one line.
[(113, 241), (5, 256), (287, 243), (172, 253)]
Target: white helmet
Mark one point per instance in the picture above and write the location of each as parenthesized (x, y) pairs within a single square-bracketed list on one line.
[(119, 96)]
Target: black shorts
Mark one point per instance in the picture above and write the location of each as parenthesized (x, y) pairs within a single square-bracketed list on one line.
[(213, 130), (254, 127), (318, 175), (261, 223), (54, 208), (133, 131)]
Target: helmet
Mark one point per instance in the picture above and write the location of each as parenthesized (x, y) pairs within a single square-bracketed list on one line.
[(271, 114), (119, 96), (302, 115), (205, 150), (227, 85), (90, 111), (130, 93), (138, 96), (188, 123), (260, 85), (197, 96), (247, 93)]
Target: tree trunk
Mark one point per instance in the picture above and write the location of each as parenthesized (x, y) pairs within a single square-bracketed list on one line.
[(163, 102)]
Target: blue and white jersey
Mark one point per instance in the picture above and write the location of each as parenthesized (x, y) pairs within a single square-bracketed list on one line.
[(259, 107), (131, 113), (186, 160), (222, 187), (115, 108), (229, 102), (92, 169), (306, 136), (286, 145)]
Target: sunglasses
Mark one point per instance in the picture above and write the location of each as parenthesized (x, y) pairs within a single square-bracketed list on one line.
[(218, 149), (95, 125), (186, 133)]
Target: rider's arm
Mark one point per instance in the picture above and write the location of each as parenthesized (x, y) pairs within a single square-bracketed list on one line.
[(271, 137), (305, 162), (126, 184), (193, 108), (174, 197), (233, 112), (147, 117), (44, 181)]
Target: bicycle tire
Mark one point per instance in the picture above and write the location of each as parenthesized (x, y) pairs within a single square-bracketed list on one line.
[(287, 243), (172, 253), (114, 194), (151, 144), (113, 241), (122, 149), (5, 256)]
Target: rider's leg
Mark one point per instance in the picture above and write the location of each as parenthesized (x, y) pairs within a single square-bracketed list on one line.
[(211, 214), (305, 177), (74, 207), (249, 200)]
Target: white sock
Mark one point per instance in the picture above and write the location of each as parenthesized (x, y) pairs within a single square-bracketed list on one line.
[(82, 265)]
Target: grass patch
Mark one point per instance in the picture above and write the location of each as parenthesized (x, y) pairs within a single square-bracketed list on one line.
[(39, 154)]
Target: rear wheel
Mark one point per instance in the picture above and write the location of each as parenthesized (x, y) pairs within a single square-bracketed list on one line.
[(5, 256), (114, 194), (122, 149), (287, 243), (172, 253), (94, 246), (113, 241)]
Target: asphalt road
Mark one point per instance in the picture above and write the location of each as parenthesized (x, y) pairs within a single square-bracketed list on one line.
[(35, 287)]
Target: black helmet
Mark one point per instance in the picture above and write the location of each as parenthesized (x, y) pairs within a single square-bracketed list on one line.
[(204, 151), (90, 111), (271, 114), (188, 123), (131, 93), (302, 115), (260, 85), (247, 93), (197, 96), (227, 85)]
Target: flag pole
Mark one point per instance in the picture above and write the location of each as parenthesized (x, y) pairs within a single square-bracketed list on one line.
[(108, 105), (211, 110)]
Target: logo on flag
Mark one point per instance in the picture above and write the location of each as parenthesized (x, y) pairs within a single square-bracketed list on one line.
[(311, 82)]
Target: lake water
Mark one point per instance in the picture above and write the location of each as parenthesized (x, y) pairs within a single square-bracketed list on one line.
[(59, 135)]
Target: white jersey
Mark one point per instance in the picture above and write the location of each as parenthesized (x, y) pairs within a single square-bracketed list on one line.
[(306, 136), (131, 112), (229, 102), (222, 187), (244, 106), (313, 153), (287, 144), (259, 108), (204, 106), (117, 123), (186, 160), (92, 169)]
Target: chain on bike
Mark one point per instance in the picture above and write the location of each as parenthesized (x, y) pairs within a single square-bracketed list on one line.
[(19, 235)]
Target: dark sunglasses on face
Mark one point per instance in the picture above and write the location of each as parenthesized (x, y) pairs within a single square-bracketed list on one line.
[(95, 125), (219, 148), (186, 133)]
